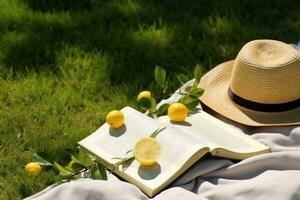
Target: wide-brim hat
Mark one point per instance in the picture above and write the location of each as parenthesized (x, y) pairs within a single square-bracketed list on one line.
[(261, 87)]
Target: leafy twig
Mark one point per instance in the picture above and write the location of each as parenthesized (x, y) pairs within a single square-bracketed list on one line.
[(79, 172), (122, 161), (155, 133)]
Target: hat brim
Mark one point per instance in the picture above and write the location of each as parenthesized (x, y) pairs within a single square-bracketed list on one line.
[(216, 83)]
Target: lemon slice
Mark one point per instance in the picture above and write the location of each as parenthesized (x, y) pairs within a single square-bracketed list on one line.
[(146, 151)]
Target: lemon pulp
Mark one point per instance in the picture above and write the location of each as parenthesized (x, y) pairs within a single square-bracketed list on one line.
[(147, 151)]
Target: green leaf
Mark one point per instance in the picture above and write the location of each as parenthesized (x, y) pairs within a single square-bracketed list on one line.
[(74, 167), (62, 155), (123, 162), (194, 86), (102, 170), (197, 92), (188, 88), (152, 108), (156, 132), (42, 158), (98, 172), (182, 78), (197, 73), (75, 159), (163, 109), (82, 158), (62, 171), (166, 86), (144, 104), (189, 102), (160, 76), (69, 168)]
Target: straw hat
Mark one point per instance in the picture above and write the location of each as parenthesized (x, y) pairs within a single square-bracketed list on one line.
[(261, 87)]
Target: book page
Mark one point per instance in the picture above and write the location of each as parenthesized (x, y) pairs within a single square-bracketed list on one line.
[(215, 133), (176, 148)]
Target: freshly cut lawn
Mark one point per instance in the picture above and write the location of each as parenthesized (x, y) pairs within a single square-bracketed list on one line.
[(65, 64)]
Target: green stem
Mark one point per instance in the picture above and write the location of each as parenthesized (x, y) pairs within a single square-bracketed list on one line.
[(155, 133), (76, 173)]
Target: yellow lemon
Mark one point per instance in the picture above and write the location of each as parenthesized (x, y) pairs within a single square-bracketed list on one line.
[(33, 168), (146, 151), (177, 112), (115, 119), (144, 94)]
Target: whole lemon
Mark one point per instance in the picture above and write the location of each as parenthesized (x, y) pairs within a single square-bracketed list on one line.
[(177, 112), (115, 119), (144, 94), (33, 168)]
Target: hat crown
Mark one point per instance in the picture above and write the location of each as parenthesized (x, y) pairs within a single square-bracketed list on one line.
[(267, 71)]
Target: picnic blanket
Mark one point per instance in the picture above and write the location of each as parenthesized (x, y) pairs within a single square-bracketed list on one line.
[(274, 175)]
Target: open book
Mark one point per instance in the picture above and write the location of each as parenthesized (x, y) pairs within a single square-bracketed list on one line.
[(182, 144)]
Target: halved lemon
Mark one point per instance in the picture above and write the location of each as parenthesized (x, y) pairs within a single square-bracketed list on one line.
[(147, 151)]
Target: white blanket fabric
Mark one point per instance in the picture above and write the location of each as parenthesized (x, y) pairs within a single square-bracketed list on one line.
[(274, 175)]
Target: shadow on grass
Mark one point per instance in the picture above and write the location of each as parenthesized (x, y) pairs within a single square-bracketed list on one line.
[(138, 35), (57, 5), (73, 61)]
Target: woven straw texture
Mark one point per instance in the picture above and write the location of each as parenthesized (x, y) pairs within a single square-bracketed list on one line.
[(264, 71)]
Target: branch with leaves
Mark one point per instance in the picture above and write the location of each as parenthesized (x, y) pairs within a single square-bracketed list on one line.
[(80, 164), (190, 95)]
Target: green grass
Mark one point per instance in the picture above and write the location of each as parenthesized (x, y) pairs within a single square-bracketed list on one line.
[(65, 64)]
